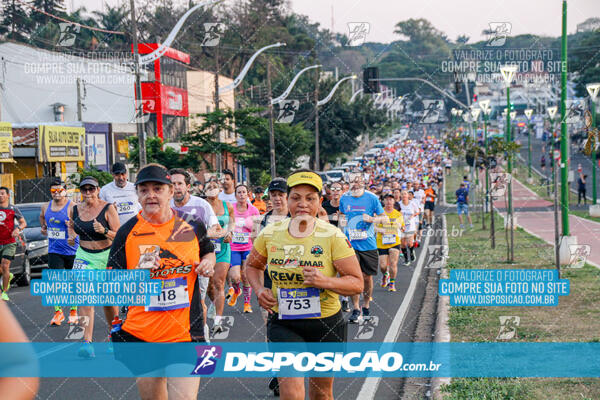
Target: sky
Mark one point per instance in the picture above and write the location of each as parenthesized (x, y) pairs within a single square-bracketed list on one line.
[(453, 17)]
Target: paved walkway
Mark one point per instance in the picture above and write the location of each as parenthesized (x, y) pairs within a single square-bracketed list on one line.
[(541, 223)]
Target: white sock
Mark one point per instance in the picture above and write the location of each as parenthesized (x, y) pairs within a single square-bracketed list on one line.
[(217, 319)]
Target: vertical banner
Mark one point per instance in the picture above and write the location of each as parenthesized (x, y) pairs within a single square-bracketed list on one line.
[(6, 142), (61, 143)]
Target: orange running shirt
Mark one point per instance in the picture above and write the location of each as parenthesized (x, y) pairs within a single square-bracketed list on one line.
[(430, 194), (176, 314)]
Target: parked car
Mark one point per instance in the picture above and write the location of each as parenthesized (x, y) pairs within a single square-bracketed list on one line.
[(335, 175), (379, 146), (37, 244)]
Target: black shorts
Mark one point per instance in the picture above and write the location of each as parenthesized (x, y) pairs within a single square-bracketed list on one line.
[(126, 351), (385, 252), (60, 261), (329, 329), (369, 261), (429, 205)]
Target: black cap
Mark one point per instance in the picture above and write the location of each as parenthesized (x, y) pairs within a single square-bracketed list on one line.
[(118, 168), (153, 173), (56, 181), (278, 184), (89, 180), (387, 195)]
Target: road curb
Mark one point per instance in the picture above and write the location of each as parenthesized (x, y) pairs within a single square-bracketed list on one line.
[(442, 331)]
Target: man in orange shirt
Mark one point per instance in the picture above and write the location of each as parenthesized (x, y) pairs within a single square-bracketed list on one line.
[(430, 197), (258, 201), (177, 251)]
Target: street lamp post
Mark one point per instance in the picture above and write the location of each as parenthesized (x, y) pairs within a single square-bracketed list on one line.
[(554, 159), (592, 89), (528, 114), (486, 109), (279, 99), (563, 127), (318, 104), (508, 73)]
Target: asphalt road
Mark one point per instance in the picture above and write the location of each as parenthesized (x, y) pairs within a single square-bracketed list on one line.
[(394, 319)]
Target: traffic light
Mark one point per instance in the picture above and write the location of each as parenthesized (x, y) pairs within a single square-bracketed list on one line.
[(457, 84), (370, 86), (474, 97)]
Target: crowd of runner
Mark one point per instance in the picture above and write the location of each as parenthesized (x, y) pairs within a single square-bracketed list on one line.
[(308, 251)]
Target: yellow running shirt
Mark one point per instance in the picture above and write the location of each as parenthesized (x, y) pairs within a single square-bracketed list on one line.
[(391, 237), (286, 257)]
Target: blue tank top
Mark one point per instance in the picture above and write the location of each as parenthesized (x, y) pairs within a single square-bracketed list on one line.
[(56, 222)]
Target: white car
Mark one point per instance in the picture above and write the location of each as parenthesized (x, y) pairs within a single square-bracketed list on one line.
[(335, 175)]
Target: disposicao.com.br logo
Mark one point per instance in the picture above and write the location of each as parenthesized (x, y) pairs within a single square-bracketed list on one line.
[(351, 362)]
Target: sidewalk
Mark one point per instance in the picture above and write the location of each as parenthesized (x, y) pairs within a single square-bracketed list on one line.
[(541, 223)]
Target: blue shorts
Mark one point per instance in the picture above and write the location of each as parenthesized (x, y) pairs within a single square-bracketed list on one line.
[(238, 257), (462, 208)]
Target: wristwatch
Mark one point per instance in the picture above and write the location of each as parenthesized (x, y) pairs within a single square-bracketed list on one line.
[(106, 230)]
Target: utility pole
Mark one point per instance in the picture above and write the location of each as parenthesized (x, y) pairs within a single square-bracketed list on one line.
[(217, 102), (139, 108), (564, 201), (317, 162), (79, 105), (271, 127)]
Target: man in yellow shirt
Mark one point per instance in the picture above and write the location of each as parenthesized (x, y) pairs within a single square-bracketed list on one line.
[(388, 243)]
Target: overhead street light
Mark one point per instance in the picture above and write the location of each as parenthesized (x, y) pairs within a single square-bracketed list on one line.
[(287, 91)]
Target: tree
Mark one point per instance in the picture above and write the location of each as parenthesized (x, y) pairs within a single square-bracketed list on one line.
[(155, 153), (16, 22), (462, 39)]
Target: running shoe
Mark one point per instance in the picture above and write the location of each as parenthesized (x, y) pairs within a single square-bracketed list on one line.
[(416, 244), (5, 296), (385, 279), (471, 226), (406, 263), (366, 314), (234, 297), (247, 308), (211, 312), (10, 278), (345, 306), (392, 287), (229, 293), (462, 226), (72, 317), (355, 318), (412, 256), (86, 350), (58, 318)]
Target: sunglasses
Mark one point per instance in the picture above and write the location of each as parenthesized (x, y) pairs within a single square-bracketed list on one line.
[(56, 190), (336, 189), (87, 189)]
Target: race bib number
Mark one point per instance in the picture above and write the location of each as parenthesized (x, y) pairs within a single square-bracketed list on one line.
[(80, 264), (299, 303), (217, 244), (388, 239), (125, 207), (56, 234), (241, 237), (357, 234), (174, 295)]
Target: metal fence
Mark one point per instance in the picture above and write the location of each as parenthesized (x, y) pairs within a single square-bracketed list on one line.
[(33, 190)]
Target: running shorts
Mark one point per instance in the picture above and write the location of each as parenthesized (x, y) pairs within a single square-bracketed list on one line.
[(238, 257), (7, 251), (60, 261), (129, 354), (385, 252), (91, 259), (429, 205), (328, 329), (225, 254), (369, 261)]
